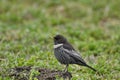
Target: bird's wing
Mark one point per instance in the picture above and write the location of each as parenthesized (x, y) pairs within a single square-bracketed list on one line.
[(74, 55), (68, 46)]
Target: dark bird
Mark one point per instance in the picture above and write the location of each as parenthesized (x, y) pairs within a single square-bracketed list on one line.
[(66, 54)]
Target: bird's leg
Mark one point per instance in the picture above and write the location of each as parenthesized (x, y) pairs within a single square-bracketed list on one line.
[(66, 68)]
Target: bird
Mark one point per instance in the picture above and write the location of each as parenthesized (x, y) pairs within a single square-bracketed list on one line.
[(66, 54)]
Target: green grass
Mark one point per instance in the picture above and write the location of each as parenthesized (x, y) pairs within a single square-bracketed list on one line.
[(92, 26)]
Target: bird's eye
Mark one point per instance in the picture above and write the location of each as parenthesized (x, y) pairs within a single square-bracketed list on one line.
[(56, 38)]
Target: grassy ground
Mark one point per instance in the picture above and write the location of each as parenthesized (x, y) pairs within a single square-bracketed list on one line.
[(92, 26)]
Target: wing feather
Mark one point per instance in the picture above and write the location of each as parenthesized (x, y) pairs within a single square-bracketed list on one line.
[(76, 57)]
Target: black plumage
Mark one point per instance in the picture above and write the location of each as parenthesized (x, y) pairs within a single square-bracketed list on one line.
[(66, 54)]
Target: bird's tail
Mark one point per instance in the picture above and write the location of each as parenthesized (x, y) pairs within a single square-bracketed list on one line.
[(91, 68)]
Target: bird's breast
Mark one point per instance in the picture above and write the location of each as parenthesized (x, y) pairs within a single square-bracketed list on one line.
[(61, 56)]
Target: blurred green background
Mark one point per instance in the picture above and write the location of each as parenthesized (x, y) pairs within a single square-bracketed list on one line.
[(92, 27)]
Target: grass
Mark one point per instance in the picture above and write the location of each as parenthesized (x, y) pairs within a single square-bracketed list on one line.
[(92, 26)]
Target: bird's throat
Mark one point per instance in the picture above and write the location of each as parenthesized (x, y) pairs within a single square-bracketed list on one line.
[(57, 45)]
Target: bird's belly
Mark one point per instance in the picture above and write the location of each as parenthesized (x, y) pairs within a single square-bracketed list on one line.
[(61, 56)]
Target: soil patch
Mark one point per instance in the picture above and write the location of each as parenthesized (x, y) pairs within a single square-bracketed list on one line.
[(25, 73)]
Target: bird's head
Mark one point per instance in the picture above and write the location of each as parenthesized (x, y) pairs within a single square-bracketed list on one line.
[(59, 39)]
